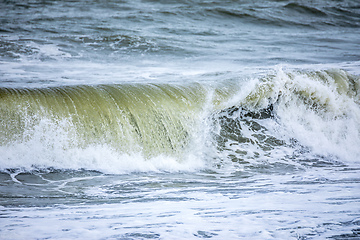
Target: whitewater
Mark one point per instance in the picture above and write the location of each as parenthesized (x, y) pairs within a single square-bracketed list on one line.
[(179, 119)]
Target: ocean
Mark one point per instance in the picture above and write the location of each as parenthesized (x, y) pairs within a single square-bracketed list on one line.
[(185, 119)]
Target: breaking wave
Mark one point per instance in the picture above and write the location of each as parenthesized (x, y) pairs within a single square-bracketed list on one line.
[(288, 115)]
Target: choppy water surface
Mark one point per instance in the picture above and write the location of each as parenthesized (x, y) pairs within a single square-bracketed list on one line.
[(267, 203), (179, 119)]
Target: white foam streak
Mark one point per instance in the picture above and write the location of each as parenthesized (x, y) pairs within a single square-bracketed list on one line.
[(54, 144), (100, 158)]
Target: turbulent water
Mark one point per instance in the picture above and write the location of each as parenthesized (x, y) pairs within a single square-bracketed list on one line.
[(180, 119)]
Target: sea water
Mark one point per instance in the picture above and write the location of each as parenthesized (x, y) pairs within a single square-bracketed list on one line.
[(179, 119)]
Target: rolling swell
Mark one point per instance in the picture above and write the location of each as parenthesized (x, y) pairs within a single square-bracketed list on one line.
[(130, 30)]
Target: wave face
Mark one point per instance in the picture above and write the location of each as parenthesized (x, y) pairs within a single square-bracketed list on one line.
[(149, 119), (288, 116)]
